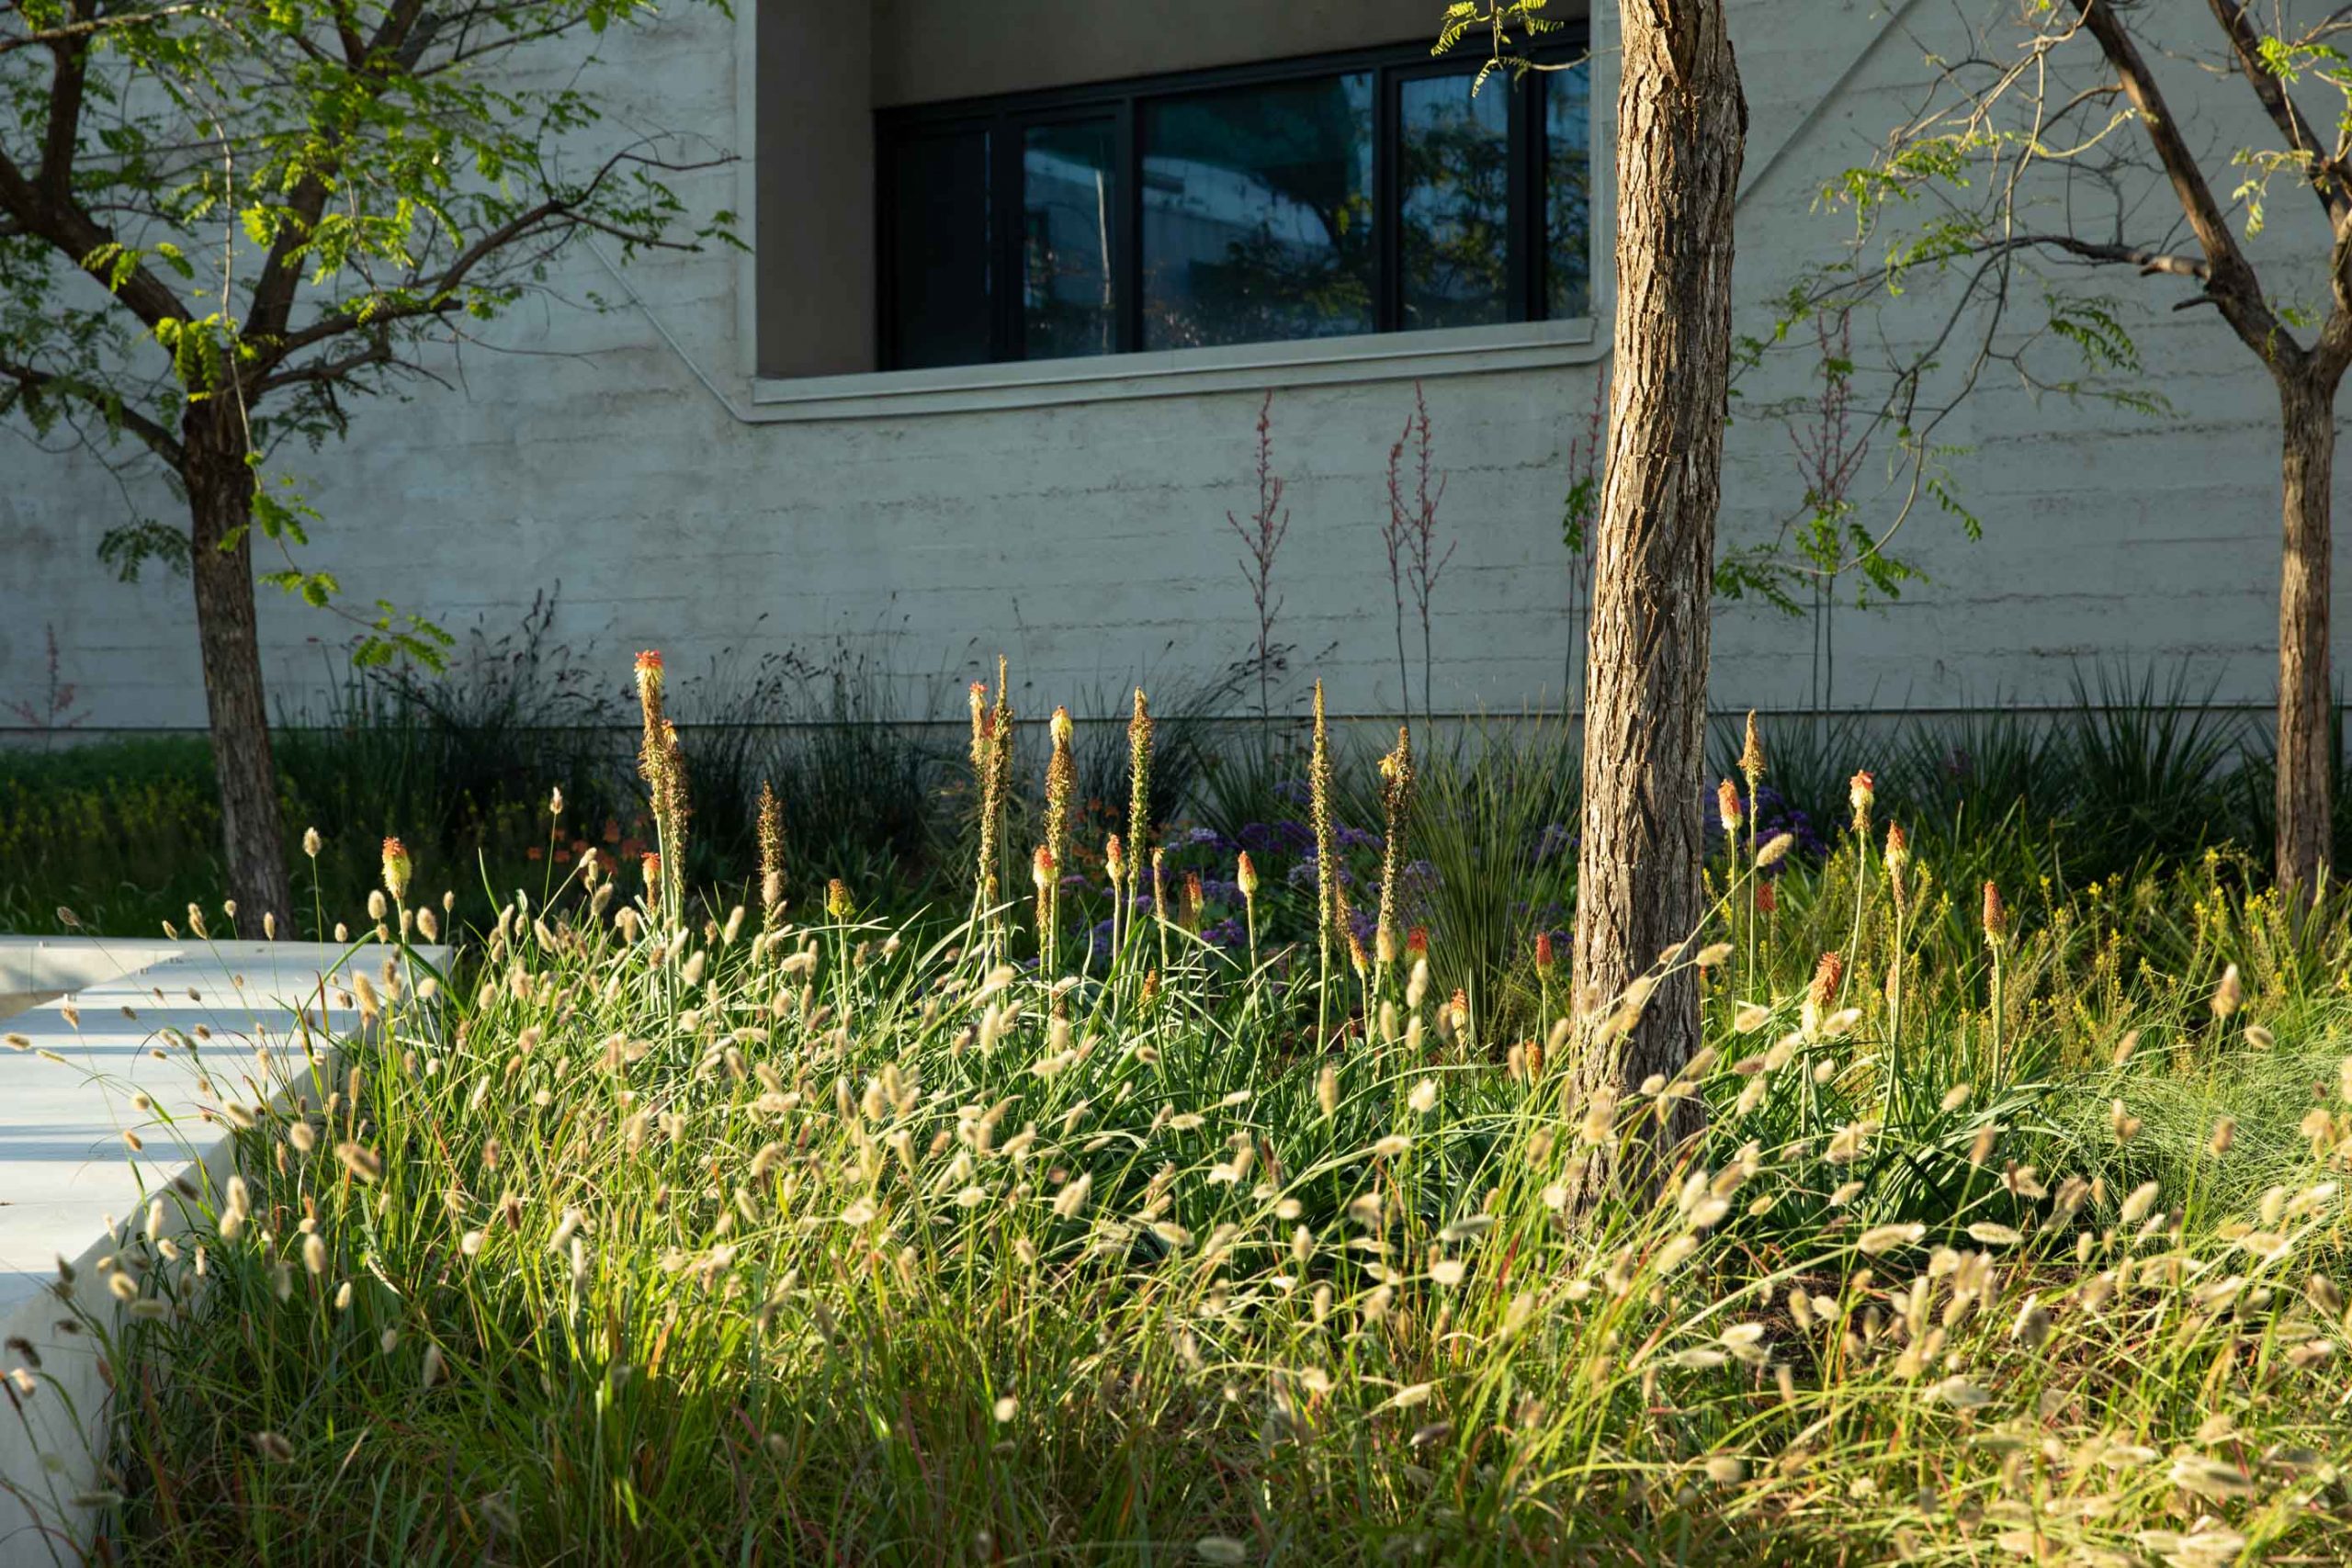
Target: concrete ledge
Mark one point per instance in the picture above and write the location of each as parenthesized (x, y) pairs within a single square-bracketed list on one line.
[(128, 1018)]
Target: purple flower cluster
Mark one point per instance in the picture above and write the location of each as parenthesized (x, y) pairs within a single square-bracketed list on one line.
[(1773, 815)]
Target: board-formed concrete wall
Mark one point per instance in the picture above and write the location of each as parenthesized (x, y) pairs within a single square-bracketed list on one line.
[(629, 458)]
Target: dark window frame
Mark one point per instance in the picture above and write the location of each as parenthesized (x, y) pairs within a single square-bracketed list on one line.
[(1006, 118)]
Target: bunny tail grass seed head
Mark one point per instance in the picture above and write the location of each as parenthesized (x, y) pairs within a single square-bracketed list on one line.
[(2229, 992)]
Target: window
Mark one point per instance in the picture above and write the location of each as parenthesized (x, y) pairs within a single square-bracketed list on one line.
[(1371, 192)]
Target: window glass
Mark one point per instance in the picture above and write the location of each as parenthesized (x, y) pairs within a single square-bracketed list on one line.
[(1066, 215), (938, 285), (1454, 176), (1567, 192), (1257, 213)]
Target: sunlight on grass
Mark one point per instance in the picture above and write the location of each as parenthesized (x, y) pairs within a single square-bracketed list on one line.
[(655, 1234)]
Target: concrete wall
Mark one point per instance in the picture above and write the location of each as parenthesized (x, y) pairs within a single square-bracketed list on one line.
[(626, 456), (933, 50)]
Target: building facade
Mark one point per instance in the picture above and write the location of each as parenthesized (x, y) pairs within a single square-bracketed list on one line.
[(1021, 277)]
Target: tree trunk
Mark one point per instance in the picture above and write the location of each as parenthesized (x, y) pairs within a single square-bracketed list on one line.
[(2306, 754), (220, 501), (1681, 122)]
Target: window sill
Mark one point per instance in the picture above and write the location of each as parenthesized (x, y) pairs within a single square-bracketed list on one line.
[(1386, 356)]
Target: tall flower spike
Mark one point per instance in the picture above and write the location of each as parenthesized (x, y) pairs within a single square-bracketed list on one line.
[(1139, 779), (1827, 975), (1396, 803), (1997, 916), (1041, 874), (673, 801), (1061, 788), (1326, 885), (1728, 809), (1751, 756), (651, 752), (1160, 898), (992, 766), (771, 855)]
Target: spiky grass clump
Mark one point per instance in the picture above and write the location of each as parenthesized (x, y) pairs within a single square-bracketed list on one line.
[(646, 1243)]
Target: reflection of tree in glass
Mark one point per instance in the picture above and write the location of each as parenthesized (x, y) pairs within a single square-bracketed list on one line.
[(1259, 214), (1066, 298), (1567, 193), (1456, 175)]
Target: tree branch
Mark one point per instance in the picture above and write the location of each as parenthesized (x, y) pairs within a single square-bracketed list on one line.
[(67, 228), (41, 37), (440, 295), (2327, 178), (33, 384), (2230, 279), (64, 131)]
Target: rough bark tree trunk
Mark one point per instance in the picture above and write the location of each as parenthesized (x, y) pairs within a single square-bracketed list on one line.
[(1681, 123), (2306, 820), (220, 501)]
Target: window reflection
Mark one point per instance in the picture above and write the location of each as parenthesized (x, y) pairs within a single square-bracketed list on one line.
[(1567, 191), (1067, 303), (1257, 213), (1453, 172)]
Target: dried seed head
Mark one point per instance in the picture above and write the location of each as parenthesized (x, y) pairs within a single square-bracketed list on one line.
[(1751, 755), (2228, 994)]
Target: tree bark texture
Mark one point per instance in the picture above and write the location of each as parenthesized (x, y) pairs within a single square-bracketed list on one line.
[(1681, 124), (220, 499), (2306, 740)]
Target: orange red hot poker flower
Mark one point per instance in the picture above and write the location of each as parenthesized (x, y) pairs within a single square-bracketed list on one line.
[(396, 868), (1826, 975)]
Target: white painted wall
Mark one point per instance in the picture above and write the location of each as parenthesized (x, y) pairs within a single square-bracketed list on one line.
[(621, 457)]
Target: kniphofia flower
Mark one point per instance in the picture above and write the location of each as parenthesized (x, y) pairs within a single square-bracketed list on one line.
[(396, 868)]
